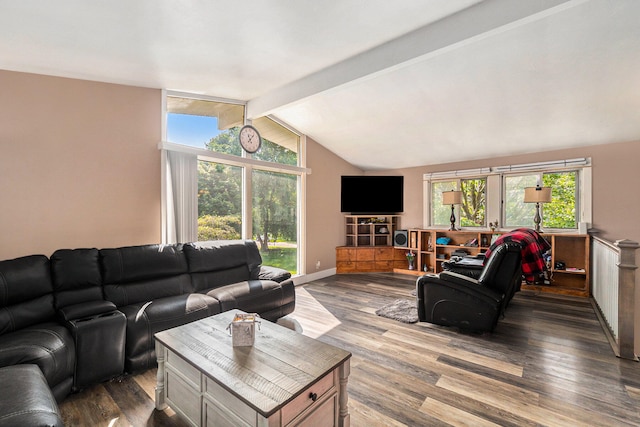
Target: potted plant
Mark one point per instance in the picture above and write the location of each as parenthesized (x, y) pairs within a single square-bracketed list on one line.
[(411, 260)]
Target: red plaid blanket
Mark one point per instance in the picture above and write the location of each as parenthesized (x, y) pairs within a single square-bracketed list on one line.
[(533, 248)]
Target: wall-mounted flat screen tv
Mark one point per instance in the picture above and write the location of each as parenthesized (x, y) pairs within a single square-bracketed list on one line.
[(369, 194)]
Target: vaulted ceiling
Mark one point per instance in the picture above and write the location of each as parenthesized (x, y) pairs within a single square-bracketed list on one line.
[(383, 84)]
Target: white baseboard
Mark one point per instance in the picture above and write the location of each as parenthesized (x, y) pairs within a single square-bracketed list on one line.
[(304, 278)]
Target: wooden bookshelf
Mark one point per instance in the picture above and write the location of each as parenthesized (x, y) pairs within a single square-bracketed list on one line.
[(569, 248), (370, 230), (368, 244), (369, 248)]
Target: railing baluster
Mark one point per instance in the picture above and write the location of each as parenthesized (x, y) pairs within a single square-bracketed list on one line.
[(626, 298), (613, 291), (604, 287)]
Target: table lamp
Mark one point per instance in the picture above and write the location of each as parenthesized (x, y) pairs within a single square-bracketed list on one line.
[(452, 198), (537, 195)]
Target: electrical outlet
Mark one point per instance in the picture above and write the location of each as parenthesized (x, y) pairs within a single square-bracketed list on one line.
[(317, 265)]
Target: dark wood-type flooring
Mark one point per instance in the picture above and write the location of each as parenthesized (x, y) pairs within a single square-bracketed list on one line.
[(548, 363)]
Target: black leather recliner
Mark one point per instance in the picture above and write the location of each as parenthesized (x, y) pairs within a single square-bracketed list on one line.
[(29, 330), (452, 299), (26, 398)]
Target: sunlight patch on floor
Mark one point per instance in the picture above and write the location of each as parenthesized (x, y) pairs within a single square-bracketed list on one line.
[(633, 392), (316, 320)]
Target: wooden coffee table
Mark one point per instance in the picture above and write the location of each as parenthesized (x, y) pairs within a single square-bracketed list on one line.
[(284, 379)]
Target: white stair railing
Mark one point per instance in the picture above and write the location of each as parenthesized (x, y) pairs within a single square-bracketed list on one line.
[(613, 268), (604, 286)]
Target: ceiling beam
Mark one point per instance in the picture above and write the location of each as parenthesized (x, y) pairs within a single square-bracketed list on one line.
[(479, 21)]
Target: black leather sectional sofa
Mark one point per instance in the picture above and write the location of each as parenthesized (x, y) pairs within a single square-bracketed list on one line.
[(87, 315)]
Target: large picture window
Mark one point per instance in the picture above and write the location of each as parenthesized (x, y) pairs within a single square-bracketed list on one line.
[(440, 213), (497, 194), (560, 213), (472, 211), (275, 224), (474, 202), (219, 201), (517, 213), (238, 195), (196, 122), (280, 145)]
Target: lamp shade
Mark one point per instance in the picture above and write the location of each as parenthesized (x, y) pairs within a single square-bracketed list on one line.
[(537, 194), (452, 197)]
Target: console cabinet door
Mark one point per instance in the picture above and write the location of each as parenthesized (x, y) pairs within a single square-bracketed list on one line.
[(345, 260)]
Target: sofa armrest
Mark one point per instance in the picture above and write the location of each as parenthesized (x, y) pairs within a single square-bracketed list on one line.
[(276, 274), (86, 309), (452, 276), (468, 266), (458, 283)]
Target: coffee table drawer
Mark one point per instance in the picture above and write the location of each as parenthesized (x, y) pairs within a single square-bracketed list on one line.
[(323, 415), (219, 417), (313, 396), (216, 394), (188, 372), (182, 396)]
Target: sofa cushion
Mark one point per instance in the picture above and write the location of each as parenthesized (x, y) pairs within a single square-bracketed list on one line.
[(137, 274), (29, 402), (48, 345), (76, 276), (264, 297), (25, 293), (133, 263), (217, 263), (146, 290), (145, 319)]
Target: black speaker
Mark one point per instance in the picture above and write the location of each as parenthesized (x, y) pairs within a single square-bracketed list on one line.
[(401, 238)]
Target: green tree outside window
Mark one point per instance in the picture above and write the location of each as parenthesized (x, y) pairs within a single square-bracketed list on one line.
[(474, 202), (560, 213), (441, 213), (274, 200)]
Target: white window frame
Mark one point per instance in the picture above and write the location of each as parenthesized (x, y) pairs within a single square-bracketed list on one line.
[(540, 173), (457, 209), (495, 191), (247, 163)]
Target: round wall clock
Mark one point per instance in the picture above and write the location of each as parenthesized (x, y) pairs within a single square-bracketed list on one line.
[(249, 139)]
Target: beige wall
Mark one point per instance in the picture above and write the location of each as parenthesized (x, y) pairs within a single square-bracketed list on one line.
[(614, 213), (613, 167), (79, 164), (325, 223)]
